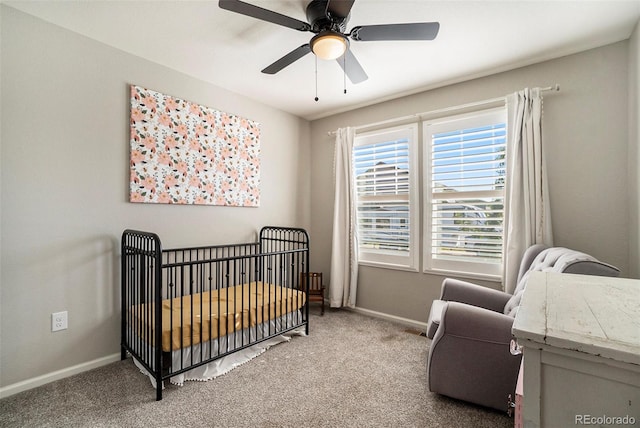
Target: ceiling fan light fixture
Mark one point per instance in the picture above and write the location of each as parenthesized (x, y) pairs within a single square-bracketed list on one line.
[(329, 45)]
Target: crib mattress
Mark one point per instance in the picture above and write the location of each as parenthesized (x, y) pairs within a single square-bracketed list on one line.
[(195, 318)]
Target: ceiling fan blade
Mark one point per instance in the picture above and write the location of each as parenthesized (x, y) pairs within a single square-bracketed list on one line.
[(415, 31), (339, 8), (352, 67), (288, 59), (263, 14)]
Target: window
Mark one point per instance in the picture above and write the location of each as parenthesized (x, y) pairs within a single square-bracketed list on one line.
[(385, 166), (463, 195), (464, 174)]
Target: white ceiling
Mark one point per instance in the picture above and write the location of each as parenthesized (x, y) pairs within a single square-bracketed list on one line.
[(476, 38)]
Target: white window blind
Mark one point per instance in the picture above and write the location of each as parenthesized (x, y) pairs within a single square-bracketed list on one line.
[(466, 176), (386, 196)]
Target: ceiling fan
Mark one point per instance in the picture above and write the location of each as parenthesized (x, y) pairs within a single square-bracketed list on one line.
[(328, 20)]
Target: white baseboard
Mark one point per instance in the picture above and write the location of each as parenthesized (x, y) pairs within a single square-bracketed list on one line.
[(25, 385), (422, 326)]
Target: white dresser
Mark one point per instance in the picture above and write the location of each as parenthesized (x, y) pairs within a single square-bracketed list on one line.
[(581, 342)]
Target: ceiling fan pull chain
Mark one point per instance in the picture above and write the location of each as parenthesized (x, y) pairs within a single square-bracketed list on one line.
[(316, 98), (344, 72)]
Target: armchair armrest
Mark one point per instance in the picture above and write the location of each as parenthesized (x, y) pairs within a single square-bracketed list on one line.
[(473, 294), (469, 357)]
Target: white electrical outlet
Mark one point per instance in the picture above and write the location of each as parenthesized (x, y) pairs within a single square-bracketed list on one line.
[(59, 321)]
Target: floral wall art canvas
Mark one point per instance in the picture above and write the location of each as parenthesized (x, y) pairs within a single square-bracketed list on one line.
[(185, 153)]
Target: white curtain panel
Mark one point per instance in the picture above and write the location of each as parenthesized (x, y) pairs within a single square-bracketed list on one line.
[(344, 249), (527, 209)]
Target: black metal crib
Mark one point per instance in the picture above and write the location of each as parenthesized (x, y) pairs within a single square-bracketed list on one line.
[(184, 308)]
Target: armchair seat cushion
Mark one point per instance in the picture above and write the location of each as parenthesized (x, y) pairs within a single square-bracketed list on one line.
[(434, 317)]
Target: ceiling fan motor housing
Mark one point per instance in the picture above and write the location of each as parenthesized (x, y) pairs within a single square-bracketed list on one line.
[(320, 19)]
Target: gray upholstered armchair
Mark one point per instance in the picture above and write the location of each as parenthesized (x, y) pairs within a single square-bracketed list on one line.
[(470, 328)]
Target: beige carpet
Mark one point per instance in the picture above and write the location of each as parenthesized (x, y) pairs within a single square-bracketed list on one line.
[(351, 371)]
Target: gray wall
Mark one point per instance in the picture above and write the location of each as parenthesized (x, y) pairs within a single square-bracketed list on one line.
[(64, 178), (586, 135), (634, 153)]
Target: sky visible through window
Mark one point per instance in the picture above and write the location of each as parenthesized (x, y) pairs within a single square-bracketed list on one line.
[(391, 153), (469, 159)]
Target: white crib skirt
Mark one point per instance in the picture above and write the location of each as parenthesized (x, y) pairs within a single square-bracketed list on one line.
[(182, 358)]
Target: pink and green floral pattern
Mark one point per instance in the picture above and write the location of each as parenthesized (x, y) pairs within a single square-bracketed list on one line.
[(185, 153)]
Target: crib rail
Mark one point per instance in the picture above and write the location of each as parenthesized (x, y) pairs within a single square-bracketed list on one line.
[(141, 272), (183, 308), (274, 239)]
